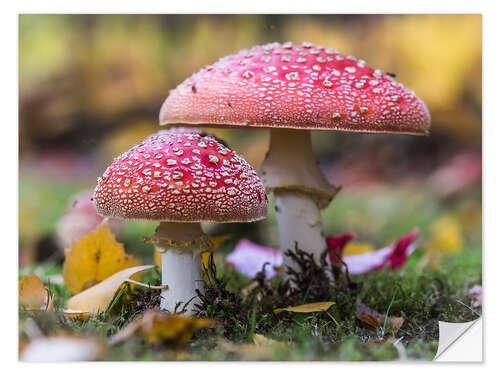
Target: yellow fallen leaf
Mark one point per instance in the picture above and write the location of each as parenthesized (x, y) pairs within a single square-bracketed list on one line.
[(94, 258), (33, 295), (205, 258), (161, 327), (307, 308), (219, 240), (247, 351), (261, 340), (96, 299)]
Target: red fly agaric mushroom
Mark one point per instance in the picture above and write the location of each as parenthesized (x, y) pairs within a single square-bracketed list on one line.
[(181, 179), (294, 89)]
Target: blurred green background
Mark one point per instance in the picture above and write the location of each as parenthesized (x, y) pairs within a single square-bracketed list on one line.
[(91, 86)]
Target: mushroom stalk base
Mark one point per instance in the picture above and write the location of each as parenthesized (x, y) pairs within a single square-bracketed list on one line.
[(182, 273), (299, 220), (180, 264)]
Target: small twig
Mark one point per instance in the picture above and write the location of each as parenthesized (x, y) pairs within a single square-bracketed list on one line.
[(470, 308), (331, 316), (156, 287)]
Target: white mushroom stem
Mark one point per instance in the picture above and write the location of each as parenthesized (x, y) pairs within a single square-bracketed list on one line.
[(182, 273), (300, 190), (180, 264), (298, 219)]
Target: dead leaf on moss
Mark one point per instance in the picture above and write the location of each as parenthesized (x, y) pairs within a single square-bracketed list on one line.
[(261, 340), (98, 298), (247, 351), (378, 320), (161, 327), (33, 295), (378, 342), (94, 258), (307, 308)]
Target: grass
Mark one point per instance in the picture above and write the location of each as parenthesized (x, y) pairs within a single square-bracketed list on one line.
[(422, 296)]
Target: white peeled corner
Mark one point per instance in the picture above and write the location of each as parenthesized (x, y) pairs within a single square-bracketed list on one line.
[(460, 342)]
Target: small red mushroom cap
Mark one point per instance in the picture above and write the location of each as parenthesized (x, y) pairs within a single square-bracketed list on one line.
[(181, 177), (299, 87)]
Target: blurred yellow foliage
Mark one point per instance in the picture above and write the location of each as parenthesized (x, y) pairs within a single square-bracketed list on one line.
[(439, 57), (127, 136), (440, 50), (446, 235), (123, 64), (110, 68), (94, 258)]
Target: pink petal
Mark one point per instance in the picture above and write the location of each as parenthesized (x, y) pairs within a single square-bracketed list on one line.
[(361, 263), (395, 256), (80, 219), (402, 250), (336, 245), (476, 295), (248, 258)]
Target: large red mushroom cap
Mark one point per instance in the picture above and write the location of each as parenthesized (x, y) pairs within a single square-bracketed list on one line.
[(181, 177), (299, 87)]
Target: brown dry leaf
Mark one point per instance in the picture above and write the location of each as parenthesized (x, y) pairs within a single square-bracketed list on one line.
[(245, 292), (307, 308), (33, 295), (161, 327), (97, 298), (379, 342), (94, 258), (377, 320)]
